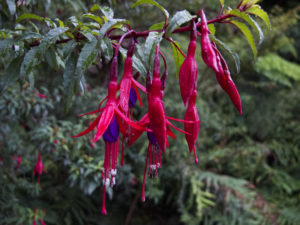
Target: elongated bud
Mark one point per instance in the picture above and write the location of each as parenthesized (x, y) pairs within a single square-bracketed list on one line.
[(114, 69), (189, 69), (225, 81), (192, 129), (207, 51)]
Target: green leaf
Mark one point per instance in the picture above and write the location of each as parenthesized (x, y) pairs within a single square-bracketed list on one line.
[(27, 16), (212, 28), (178, 57), (106, 48), (151, 2), (51, 38), (69, 79), (278, 69), (222, 2), (11, 74), (86, 56), (109, 24), (157, 26), (69, 46), (61, 23), (247, 33), (224, 46), (11, 6), (152, 40), (256, 10), (30, 60), (250, 2), (5, 45), (107, 12), (178, 19), (95, 7), (93, 17), (250, 21)]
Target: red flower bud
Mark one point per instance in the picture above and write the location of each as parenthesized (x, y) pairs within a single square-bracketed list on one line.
[(189, 70), (207, 51), (226, 82), (192, 129)]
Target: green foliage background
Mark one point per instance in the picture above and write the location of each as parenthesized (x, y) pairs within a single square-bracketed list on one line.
[(248, 170)]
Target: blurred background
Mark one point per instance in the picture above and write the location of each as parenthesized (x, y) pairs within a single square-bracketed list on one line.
[(248, 171)]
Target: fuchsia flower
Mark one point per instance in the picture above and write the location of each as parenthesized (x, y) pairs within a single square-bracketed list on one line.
[(38, 169), (40, 95), (108, 124), (192, 129), (157, 121), (189, 70), (128, 82), (207, 51)]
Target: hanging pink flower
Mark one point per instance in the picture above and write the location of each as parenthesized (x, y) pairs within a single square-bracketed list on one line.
[(107, 124), (38, 169)]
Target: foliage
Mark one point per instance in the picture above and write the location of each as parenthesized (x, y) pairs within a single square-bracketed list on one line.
[(248, 171)]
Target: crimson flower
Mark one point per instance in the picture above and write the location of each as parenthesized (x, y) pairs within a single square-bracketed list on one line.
[(107, 123), (38, 169)]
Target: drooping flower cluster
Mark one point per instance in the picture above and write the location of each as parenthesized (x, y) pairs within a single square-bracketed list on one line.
[(116, 116)]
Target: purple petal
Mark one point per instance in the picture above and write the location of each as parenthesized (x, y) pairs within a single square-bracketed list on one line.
[(112, 132), (132, 97)]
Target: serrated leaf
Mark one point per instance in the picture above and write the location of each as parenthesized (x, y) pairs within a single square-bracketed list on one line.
[(224, 46), (86, 56), (69, 79), (152, 40), (250, 2), (93, 17), (29, 61), (11, 74), (247, 33), (106, 48), (6, 44), (109, 25), (157, 26), (60, 23), (27, 16), (178, 57), (11, 6), (152, 2), (49, 22), (256, 10), (250, 21), (212, 28), (51, 38), (107, 12), (178, 19), (70, 45), (95, 7)]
